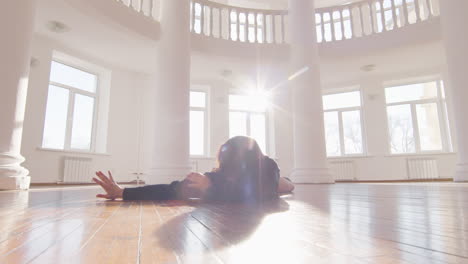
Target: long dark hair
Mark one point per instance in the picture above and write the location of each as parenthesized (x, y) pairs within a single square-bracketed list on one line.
[(237, 153), (241, 163)]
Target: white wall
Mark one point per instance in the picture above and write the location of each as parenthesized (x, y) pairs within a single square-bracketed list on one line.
[(411, 52), (378, 163), (121, 156)]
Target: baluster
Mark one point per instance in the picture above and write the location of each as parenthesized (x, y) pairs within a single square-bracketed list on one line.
[(417, 10), (430, 12), (323, 27), (351, 21), (283, 33), (264, 27), (255, 28), (141, 7), (405, 12), (193, 16), (373, 16), (220, 21), (211, 21), (361, 19), (273, 31), (202, 19), (394, 15), (342, 25), (332, 23), (230, 24), (382, 16), (151, 6), (238, 26), (246, 27)]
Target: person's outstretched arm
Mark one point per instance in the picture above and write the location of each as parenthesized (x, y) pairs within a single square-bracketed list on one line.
[(193, 186), (113, 191)]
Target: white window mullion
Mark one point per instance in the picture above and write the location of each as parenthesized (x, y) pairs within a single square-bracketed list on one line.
[(340, 125), (71, 110), (73, 89), (414, 118), (363, 132), (92, 147), (443, 126), (443, 119)]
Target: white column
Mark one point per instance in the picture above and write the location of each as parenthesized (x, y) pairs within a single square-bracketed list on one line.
[(454, 21), (310, 163), (16, 27), (172, 87)]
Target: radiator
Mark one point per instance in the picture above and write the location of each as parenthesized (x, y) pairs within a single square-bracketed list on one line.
[(77, 170), (194, 165), (422, 168), (343, 170)]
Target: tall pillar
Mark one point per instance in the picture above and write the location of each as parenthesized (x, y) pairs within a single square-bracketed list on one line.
[(172, 91), (310, 162), (454, 21), (16, 27)]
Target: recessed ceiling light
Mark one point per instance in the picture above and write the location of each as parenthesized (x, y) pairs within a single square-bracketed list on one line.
[(368, 67), (226, 73), (57, 27)]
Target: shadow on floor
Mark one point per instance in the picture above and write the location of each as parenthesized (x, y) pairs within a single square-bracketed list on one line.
[(215, 226)]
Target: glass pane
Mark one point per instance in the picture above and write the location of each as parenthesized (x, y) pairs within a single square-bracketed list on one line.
[(429, 126), (197, 99), (332, 134), (237, 124), (197, 132), (400, 126), (55, 125), (61, 73), (352, 132), (258, 130), (83, 117), (256, 103), (411, 92), (341, 100)]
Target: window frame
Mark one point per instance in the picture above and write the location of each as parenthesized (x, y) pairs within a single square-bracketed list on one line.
[(340, 123), (442, 114), (206, 125), (71, 108), (248, 113)]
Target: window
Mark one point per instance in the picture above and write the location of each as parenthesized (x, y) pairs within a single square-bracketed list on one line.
[(198, 123), (343, 124), (248, 117), (70, 118), (417, 118)]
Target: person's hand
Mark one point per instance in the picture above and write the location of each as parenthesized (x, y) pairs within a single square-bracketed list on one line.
[(198, 181), (113, 191)]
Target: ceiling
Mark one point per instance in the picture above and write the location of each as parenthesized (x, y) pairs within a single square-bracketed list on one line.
[(96, 38)]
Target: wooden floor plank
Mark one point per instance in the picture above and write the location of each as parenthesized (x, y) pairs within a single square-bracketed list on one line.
[(339, 223)]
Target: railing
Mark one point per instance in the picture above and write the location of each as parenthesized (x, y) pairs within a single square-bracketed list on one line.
[(370, 17), (148, 8), (238, 24), (335, 23)]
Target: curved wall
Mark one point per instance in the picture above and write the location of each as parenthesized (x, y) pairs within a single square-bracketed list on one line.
[(412, 51)]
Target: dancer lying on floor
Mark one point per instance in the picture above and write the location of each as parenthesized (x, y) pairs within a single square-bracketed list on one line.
[(243, 174)]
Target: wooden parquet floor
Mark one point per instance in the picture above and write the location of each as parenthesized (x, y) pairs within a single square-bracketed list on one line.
[(339, 223)]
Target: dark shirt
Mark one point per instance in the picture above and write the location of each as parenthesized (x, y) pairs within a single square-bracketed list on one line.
[(260, 183)]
